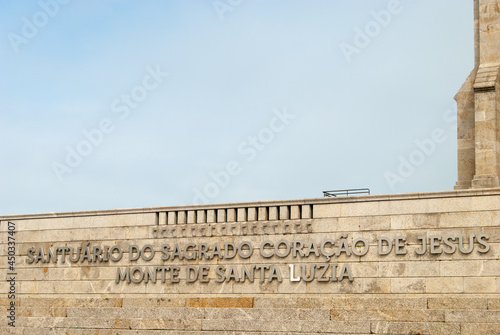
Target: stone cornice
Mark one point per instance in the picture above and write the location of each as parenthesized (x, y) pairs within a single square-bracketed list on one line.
[(294, 202)]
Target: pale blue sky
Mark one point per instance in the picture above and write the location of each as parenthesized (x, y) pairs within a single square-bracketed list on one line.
[(230, 69)]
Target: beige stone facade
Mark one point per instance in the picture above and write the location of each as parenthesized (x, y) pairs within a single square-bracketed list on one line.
[(479, 105), (451, 288)]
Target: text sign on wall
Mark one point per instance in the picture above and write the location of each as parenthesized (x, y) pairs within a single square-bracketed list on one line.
[(299, 250)]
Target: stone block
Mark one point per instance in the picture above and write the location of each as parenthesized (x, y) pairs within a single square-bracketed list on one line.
[(306, 212), (181, 217), (384, 327), (325, 225), (211, 216), (172, 313), (96, 322), (445, 285), (211, 288), (393, 269), (407, 285), (263, 214), (388, 315), (71, 302), (242, 214), (424, 269), (221, 216), (231, 215), (448, 205), (153, 302), (256, 288), (359, 285), (486, 203), (75, 331), (275, 302), (490, 268), (165, 324), (252, 214), (480, 328), (470, 316), (364, 270), (288, 287), (30, 330), (319, 302), (273, 213), (457, 303), (326, 211), (284, 213), (266, 314), (299, 326), (460, 268), (370, 223), (465, 219), (225, 302), (346, 224), (171, 218), (402, 222), (494, 303), (361, 208), (394, 207), (422, 221), (162, 218), (295, 213), (480, 285), (201, 216), (338, 327), (191, 217), (404, 303)]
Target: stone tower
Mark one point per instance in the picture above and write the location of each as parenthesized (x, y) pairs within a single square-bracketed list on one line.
[(479, 104)]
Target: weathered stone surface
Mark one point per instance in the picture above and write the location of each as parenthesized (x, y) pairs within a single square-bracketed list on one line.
[(221, 302), (153, 302), (472, 316), (388, 315), (297, 326), (480, 285), (478, 106), (445, 285), (457, 303), (387, 303), (480, 328), (403, 293), (172, 313), (494, 303), (408, 285), (430, 328), (173, 332)]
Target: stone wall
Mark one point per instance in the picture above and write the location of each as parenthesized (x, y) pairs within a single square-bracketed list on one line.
[(362, 289), (478, 104)]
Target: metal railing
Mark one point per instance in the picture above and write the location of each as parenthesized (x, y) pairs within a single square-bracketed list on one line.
[(346, 193)]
